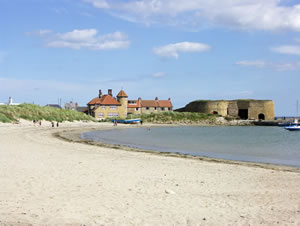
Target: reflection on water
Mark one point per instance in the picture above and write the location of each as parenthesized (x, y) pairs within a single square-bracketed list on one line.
[(256, 144)]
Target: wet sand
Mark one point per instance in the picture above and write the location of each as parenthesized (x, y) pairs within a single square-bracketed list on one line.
[(46, 180)]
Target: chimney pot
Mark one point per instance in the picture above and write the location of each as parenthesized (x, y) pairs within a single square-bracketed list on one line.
[(169, 98), (100, 93), (110, 92), (156, 98)]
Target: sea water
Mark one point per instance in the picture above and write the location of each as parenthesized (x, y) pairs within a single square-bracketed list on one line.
[(273, 145)]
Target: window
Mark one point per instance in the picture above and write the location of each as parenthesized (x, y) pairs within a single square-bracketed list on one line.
[(169, 109), (100, 115), (147, 108), (113, 107), (162, 109), (155, 108), (103, 107), (110, 114), (137, 109), (131, 102)]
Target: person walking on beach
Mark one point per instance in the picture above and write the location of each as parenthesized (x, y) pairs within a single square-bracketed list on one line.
[(52, 123), (57, 124)]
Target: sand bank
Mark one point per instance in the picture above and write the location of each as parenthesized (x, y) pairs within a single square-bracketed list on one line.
[(50, 181)]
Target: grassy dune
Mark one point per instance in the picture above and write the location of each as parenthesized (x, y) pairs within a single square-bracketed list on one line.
[(177, 117), (35, 112)]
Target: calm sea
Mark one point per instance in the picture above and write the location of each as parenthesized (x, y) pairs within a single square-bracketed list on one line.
[(255, 144)]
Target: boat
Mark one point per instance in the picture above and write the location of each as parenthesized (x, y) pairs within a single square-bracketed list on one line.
[(285, 124), (127, 121), (293, 128)]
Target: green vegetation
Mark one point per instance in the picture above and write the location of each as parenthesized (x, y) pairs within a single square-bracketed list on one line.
[(35, 112), (176, 117)]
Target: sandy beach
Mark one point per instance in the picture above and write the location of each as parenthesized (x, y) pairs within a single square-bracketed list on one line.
[(50, 181)]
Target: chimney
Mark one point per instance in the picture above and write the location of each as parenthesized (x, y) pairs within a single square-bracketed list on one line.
[(100, 93), (110, 92), (10, 101), (156, 98), (169, 99), (139, 100)]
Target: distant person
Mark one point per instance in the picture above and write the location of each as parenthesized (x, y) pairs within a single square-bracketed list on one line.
[(57, 124), (52, 123), (40, 122), (141, 122), (34, 122)]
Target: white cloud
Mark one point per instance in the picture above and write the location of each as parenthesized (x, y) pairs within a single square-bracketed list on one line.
[(173, 50), (287, 49), (85, 39), (98, 3), (159, 75), (271, 65), (39, 33), (242, 14), (257, 63)]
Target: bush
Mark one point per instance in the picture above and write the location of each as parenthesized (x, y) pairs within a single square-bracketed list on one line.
[(179, 117), (4, 118)]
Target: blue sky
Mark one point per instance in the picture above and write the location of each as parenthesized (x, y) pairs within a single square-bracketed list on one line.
[(183, 49)]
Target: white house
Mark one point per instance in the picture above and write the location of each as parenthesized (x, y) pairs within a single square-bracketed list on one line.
[(10, 102)]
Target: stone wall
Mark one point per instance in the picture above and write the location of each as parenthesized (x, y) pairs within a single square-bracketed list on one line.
[(103, 112), (245, 109)]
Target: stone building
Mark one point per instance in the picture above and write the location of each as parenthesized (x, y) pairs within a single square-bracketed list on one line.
[(138, 107), (243, 109), (106, 106)]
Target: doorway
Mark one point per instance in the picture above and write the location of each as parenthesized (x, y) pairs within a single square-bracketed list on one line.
[(243, 114), (261, 117)]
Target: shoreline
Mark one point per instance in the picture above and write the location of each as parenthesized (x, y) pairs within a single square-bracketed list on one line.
[(75, 137), (46, 180)]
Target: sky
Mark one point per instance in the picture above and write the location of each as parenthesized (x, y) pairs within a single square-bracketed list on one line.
[(183, 49)]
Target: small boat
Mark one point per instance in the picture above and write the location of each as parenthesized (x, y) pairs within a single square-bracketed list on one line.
[(127, 121), (293, 127), (284, 124)]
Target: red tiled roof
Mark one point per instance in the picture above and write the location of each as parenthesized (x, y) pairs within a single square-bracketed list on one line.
[(104, 100), (149, 103), (122, 94), (165, 103), (152, 103)]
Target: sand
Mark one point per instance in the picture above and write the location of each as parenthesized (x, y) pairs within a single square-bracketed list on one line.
[(49, 181)]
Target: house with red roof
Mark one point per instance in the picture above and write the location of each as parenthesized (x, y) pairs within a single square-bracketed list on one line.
[(138, 107), (107, 106)]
